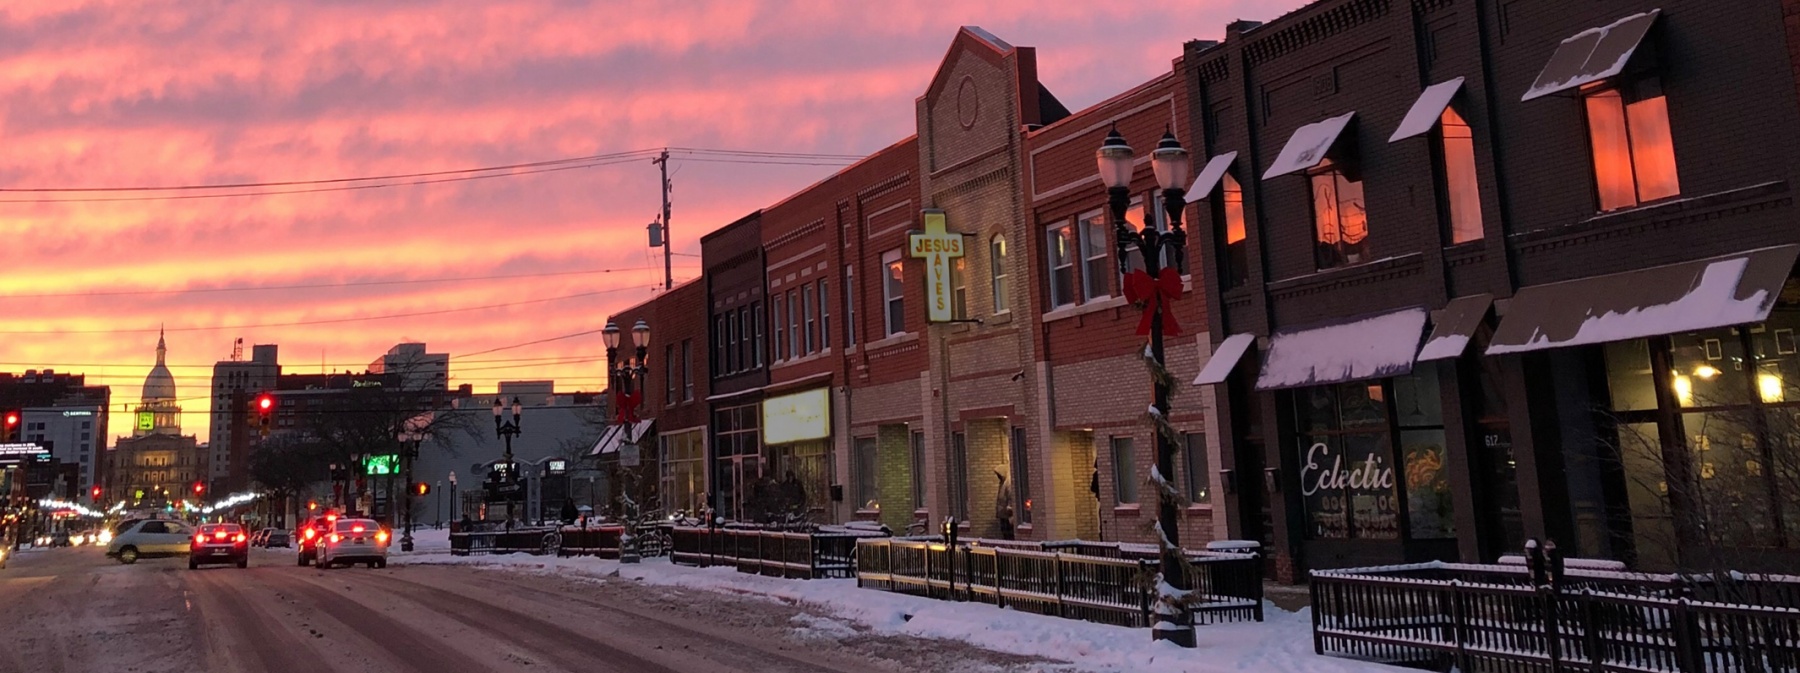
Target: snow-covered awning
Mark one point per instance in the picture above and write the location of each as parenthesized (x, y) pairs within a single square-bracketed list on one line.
[(1427, 109), (1592, 55), (1209, 177), (1702, 294), (1451, 331), (1224, 359), (617, 434), (1362, 348), (1308, 146)]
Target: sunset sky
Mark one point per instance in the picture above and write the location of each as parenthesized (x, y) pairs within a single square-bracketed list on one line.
[(130, 94)]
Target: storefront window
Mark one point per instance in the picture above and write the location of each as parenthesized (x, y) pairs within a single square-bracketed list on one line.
[(684, 471), (1418, 410), (1346, 464)]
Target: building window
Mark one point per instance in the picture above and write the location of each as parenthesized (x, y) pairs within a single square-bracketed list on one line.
[(781, 351), (893, 292), (794, 343), (1194, 462), (1342, 429), (1229, 211), (958, 473), (1462, 191), (1340, 222), (1155, 215), (1094, 258), (997, 272), (1059, 245), (959, 289), (824, 314), (687, 370), (1634, 152), (683, 464), (756, 344), (718, 358), (862, 472), (1124, 471), (849, 305), (743, 328), (731, 341), (918, 470), (806, 310), (1021, 477), (669, 374)]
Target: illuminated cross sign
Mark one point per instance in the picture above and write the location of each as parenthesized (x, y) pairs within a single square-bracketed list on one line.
[(937, 248)]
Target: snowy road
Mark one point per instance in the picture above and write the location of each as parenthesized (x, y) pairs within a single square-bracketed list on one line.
[(74, 610)]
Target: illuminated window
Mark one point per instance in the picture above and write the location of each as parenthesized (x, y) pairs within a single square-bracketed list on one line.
[(997, 272), (959, 289), (893, 292), (1094, 258), (1462, 192), (1229, 209), (1340, 222), (1634, 152), (1059, 245)]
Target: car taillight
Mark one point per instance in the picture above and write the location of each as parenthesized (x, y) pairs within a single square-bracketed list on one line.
[(381, 536), (200, 539), (356, 528), (241, 538), (310, 533), (335, 537), (220, 535)]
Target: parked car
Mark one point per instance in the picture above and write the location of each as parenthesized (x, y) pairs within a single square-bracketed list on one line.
[(353, 541), (219, 543), (275, 538), (310, 533), (150, 538)]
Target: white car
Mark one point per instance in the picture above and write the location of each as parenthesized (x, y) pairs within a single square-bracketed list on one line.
[(150, 538), (353, 541)]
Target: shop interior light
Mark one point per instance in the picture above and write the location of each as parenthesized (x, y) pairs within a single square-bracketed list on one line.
[(1769, 385), (1706, 371), (1684, 390)]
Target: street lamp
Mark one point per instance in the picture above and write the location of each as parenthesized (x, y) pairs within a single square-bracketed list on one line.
[(411, 436), (1155, 287), (455, 505), (625, 377), (508, 430)]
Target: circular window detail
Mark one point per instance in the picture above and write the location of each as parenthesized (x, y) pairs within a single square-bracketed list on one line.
[(968, 102)]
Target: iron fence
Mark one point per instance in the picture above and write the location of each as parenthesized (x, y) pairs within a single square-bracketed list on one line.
[(1495, 618), (777, 553), (516, 541), (1097, 586)]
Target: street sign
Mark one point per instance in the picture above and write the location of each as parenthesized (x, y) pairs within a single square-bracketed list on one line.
[(387, 464), (937, 247), (629, 454)]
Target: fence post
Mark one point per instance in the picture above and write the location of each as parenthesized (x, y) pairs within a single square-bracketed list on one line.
[(1552, 628), (1590, 626), (1318, 604), (1459, 621), (1057, 563), (1688, 653), (1149, 595), (1256, 583)]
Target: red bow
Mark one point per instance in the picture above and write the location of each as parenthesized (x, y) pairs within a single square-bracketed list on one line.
[(1156, 294), (625, 406)]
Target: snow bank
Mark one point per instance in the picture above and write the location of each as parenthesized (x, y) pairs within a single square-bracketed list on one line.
[(1283, 643)]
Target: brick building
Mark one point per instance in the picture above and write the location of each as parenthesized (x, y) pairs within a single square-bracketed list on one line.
[(1578, 211), (733, 273), (672, 435)]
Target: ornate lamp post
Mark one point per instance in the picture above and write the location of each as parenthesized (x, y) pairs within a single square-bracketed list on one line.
[(410, 437), (508, 430), (625, 377), (1156, 286)]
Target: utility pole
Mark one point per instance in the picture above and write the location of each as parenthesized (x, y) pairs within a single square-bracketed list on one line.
[(662, 163)]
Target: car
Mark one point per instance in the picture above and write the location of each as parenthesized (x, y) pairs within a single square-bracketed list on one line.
[(310, 533), (256, 537), (61, 539), (353, 541), (275, 538), (219, 543), (3, 550), (150, 538)]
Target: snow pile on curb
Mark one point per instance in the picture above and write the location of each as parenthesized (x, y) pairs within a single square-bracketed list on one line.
[(1282, 643)]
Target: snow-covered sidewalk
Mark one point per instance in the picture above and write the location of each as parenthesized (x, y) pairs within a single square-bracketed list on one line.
[(1282, 643)]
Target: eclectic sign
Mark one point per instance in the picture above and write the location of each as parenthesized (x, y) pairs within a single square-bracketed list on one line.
[(1369, 474), (797, 417), (937, 247)]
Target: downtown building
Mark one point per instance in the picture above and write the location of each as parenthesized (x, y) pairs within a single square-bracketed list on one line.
[(67, 418)]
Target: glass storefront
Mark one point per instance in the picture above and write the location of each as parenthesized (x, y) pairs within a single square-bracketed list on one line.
[(1371, 453), (683, 471), (737, 462)]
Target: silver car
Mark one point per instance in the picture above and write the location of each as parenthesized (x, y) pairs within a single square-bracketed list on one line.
[(150, 538), (353, 541)]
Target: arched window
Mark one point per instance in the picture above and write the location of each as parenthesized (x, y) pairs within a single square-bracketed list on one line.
[(997, 271)]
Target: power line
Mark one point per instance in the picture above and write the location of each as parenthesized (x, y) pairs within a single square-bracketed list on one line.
[(314, 286), (325, 181), (330, 321), (539, 341), (454, 360)]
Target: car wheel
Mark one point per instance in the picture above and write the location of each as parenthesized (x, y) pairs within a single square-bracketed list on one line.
[(302, 559), (128, 555), (371, 565), (244, 562), (193, 565), (381, 563)]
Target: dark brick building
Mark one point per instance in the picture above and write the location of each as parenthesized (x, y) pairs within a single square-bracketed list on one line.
[(673, 441), (733, 267), (1582, 211)]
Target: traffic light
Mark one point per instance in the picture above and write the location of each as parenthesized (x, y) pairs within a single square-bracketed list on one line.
[(312, 505), (421, 488), (95, 493), (265, 407), (12, 426), (199, 488)]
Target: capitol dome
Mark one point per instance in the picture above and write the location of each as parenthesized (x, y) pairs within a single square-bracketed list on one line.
[(159, 386)]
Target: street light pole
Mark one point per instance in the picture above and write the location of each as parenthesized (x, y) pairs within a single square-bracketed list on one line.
[(624, 377), (1156, 286), (507, 431), (410, 438)]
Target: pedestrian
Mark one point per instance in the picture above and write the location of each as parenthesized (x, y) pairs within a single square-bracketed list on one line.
[(568, 511), (1003, 508)]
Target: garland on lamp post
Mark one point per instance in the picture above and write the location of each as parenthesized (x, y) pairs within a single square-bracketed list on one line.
[(624, 377)]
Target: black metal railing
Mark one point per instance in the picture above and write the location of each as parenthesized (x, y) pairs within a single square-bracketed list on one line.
[(777, 553), (1497, 618), (597, 541), (515, 541), (1093, 582)]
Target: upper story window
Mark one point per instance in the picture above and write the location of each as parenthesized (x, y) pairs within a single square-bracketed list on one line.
[(1094, 257), (824, 314), (809, 338), (1462, 191), (1340, 220), (959, 289), (893, 292), (1229, 211), (997, 272), (687, 370), (1059, 247), (780, 320), (849, 305), (1634, 152), (756, 346), (669, 374)]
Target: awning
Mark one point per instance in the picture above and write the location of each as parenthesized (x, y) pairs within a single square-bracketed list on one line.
[(1592, 55), (1225, 358), (1209, 177), (1702, 294), (1427, 109), (1307, 147), (1362, 348), (616, 434), (1454, 326)]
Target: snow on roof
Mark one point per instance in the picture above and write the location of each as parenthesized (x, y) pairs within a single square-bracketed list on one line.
[(1454, 325), (1427, 109), (990, 38), (1719, 292), (1592, 55), (1209, 176), (1225, 359), (1307, 147), (1367, 348)]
